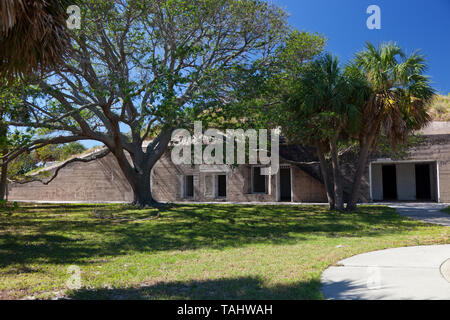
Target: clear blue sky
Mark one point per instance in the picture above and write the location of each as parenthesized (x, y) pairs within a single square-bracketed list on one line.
[(414, 24)]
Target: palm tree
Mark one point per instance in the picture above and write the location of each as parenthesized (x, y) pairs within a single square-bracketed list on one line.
[(323, 104), (398, 103), (33, 35)]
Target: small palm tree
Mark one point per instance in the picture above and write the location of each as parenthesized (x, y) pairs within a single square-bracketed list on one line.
[(398, 103), (33, 35)]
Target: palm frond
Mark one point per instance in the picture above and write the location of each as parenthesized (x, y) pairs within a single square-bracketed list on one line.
[(401, 92), (33, 35)]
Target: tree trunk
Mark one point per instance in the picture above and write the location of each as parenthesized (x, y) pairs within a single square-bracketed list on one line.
[(3, 181), (357, 179), (326, 178), (338, 190), (142, 189), (139, 181), (138, 174)]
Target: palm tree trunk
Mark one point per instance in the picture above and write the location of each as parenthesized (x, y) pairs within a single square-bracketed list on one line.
[(326, 178), (338, 190), (357, 179)]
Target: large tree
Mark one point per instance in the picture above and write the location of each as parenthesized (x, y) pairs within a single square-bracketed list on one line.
[(140, 63)]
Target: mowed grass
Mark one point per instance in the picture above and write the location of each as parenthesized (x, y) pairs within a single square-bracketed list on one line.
[(190, 251)]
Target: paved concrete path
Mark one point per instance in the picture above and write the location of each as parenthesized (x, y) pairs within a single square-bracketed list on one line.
[(426, 212), (411, 273)]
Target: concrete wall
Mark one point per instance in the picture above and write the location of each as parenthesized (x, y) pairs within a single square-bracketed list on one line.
[(406, 181), (305, 188), (436, 127), (103, 181), (435, 149), (444, 181), (377, 182), (167, 184), (96, 181)]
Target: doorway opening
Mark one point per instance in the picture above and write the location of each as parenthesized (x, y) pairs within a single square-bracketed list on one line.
[(285, 185), (189, 186), (221, 186), (259, 181), (423, 182), (389, 182)]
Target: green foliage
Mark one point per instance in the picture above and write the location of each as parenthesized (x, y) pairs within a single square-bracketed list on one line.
[(400, 151), (400, 92), (321, 102), (12, 108), (22, 165), (70, 149), (27, 162), (51, 153), (46, 154), (258, 88), (440, 108), (299, 47)]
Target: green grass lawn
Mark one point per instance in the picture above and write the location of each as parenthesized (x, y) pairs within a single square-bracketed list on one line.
[(191, 251)]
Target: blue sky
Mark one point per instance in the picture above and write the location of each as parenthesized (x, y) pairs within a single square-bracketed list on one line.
[(413, 24)]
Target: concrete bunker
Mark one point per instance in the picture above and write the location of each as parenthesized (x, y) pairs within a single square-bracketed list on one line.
[(404, 181)]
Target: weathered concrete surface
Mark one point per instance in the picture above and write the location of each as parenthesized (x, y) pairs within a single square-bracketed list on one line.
[(426, 212), (436, 127), (97, 181), (411, 273), (103, 181)]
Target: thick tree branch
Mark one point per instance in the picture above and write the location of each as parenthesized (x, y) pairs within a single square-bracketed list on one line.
[(103, 154)]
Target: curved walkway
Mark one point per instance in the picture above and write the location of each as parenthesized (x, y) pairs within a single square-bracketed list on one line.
[(410, 273), (426, 212)]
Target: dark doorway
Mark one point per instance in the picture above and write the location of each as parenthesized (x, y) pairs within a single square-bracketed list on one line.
[(189, 186), (423, 182), (285, 184), (389, 182), (259, 181), (221, 186)]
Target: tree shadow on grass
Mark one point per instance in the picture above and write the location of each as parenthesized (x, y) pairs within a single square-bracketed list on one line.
[(77, 238), (244, 288)]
